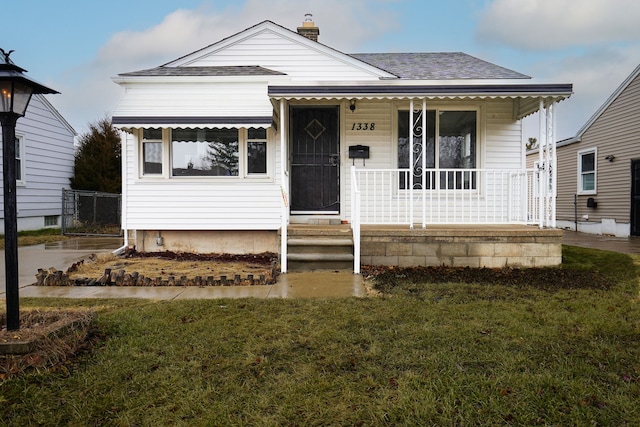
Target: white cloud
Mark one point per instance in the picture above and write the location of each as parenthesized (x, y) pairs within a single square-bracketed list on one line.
[(557, 24), (343, 25)]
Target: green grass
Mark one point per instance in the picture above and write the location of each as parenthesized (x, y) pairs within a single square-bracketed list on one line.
[(423, 354)]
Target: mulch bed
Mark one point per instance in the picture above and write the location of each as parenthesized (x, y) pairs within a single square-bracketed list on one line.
[(53, 277), (386, 278)]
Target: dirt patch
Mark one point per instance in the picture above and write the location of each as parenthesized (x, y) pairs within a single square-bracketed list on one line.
[(46, 339), (166, 269), (385, 279)]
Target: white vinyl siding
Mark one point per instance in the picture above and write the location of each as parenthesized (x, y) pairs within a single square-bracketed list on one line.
[(285, 52), (47, 160), (222, 98), (199, 203)]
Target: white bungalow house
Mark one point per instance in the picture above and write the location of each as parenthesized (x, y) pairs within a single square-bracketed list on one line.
[(271, 141), (44, 155)]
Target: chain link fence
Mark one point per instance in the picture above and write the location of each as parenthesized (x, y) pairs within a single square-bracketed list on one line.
[(91, 213)]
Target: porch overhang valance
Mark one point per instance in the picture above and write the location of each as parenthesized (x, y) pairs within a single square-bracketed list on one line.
[(210, 122), (525, 96)]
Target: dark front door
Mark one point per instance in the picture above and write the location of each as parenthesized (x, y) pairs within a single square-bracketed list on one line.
[(635, 197), (315, 160)]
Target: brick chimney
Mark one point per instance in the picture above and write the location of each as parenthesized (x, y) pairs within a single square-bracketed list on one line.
[(309, 29)]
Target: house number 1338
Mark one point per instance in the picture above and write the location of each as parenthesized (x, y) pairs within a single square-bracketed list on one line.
[(363, 126)]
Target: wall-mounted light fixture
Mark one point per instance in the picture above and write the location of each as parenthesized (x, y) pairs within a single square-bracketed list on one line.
[(610, 157), (352, 105), (591, 203)]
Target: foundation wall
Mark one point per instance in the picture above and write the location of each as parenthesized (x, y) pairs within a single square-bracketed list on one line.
[(462, 248), (207, 241)]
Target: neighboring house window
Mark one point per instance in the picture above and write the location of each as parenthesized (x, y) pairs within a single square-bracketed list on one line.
[(51, 220), (19, 159), (256, 151), (152, 151), (587, 171), (204, 152), (451, 143)]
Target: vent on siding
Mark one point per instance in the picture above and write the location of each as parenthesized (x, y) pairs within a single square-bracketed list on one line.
[(309, 29)]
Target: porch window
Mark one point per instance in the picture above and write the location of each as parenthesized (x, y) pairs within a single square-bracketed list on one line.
[(256, 151), (587, 171), (456, 146), (204, 152), (152, 151)]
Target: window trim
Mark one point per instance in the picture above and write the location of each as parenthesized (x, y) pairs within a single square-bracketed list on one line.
[(20, 153), (580, 174), (140, 153), (243, 174), (244, 141)]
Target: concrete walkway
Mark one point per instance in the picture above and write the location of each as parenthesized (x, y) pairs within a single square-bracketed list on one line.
[(625, 245), (61, 255), (292, 285)]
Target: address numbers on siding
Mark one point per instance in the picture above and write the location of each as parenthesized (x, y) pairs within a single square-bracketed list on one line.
[(363, 126)]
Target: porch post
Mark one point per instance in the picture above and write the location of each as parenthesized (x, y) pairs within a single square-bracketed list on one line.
[(410, 180), (284, 186), (541, 186), (554, 164), (424, 163)]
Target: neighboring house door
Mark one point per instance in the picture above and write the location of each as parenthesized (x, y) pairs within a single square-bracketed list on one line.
[(315, 160), (635, 197)]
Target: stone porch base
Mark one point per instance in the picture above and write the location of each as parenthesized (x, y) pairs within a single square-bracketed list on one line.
[(461, 246)]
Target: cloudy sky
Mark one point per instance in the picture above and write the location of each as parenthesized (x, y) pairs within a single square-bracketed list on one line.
[(76, 46)]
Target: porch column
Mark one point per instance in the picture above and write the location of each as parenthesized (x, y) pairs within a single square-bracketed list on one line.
[(424, 163), (554, 164), (410, 180), (284, 187), (541, 166)]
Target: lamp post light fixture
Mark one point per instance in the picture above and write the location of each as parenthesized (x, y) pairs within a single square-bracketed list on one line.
[(15, 93)]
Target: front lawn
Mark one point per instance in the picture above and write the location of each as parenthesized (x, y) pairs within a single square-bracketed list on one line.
[(421, 354)]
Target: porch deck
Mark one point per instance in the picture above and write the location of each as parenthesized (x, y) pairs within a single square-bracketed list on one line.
[(490, 246)]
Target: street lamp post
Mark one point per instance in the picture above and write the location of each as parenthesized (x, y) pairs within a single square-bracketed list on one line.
[(15, 93)]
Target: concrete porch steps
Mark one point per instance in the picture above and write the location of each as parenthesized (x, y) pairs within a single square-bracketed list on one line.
[(319, 247)]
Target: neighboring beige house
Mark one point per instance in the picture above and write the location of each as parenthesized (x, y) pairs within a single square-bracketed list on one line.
[(597, 192), (268, 138)]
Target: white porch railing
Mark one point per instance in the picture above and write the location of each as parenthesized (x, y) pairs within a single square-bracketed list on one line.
[(442, 196), (445, 196)]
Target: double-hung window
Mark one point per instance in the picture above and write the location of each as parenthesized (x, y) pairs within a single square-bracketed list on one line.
[(19, 160), (152, 151), (256, 151), (587, 171), (450, 143)]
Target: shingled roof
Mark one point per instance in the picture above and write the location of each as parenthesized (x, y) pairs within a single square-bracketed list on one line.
[(437, 66), (206, 71)]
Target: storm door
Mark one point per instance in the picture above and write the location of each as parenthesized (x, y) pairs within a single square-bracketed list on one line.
[(635, 197), (315, 160)]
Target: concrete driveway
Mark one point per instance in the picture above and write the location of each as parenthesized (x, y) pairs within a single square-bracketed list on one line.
[(59, 255)]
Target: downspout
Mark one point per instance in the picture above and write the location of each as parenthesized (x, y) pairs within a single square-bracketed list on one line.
[(284, 186), (123, 195)]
